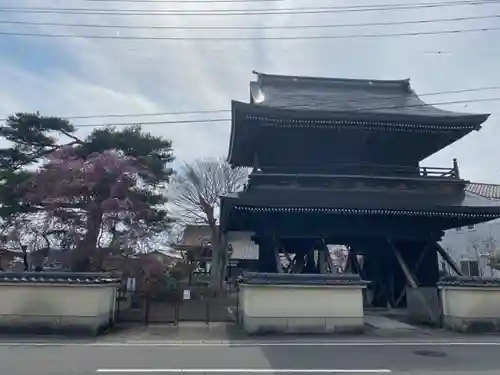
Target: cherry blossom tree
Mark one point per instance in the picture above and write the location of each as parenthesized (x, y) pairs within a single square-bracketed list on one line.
[(88, 193), (121, 173)]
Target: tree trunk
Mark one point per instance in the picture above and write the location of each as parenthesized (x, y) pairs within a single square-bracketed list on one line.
[(83, 255), (217, 251), (25, 260)]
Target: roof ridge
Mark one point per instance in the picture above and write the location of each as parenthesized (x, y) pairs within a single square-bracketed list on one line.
[(402, 83)]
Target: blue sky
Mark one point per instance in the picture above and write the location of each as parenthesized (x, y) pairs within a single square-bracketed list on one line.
[(72, 77)]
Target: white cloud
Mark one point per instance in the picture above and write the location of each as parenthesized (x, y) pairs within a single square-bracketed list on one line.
[(86, 77)]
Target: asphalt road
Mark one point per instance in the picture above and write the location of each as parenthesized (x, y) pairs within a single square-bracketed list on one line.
[(296, 358)]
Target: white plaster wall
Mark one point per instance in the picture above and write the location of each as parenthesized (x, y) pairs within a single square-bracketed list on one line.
[(458, 244), (292, 301), (469, 303), (56, 300)]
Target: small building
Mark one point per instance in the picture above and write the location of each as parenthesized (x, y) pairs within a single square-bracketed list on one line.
[(473, 245), (197, 245)]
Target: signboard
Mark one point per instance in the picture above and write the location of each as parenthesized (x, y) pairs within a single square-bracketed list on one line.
[(186, 294), (131, 284)]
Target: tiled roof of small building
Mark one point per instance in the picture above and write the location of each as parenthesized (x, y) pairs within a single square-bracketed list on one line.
[(256, 278), (57, 278), (196, 235), (470, 281), (490, 191)]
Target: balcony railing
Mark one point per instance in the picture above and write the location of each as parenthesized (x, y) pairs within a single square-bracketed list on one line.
[(272, 175), (438, 172)]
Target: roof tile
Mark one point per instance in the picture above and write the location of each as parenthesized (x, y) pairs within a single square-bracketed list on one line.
[(57, 278), (490, 191), (394, 97)]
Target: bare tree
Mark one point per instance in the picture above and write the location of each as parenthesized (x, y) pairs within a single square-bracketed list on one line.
[(490, 245), (196, 197)]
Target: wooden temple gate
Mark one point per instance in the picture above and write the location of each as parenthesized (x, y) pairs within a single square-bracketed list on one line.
[(332, 166)]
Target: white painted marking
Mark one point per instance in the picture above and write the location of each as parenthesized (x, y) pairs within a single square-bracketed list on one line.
[(308, 343), (243, 370), (188, 344)]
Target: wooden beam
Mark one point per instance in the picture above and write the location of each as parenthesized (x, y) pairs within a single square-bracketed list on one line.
[(352, 261), (409, 277), (288, 258), (447, 258), (421, 257)]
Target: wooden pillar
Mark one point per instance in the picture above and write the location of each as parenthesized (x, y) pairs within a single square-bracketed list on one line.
[(329, 261), (267, 259), (276, 251), (310, 266), (375, 271)]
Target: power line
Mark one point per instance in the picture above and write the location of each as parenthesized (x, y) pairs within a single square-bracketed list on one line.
[(131, 123), (210, 111), (171, 122), (153, 114), (229, 39), (255, 27), (242, 12), (182, 1)]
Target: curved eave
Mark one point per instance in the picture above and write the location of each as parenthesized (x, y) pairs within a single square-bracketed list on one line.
[(241, 140), (470, 120), (447, 218), (469, 206), (488, 213)]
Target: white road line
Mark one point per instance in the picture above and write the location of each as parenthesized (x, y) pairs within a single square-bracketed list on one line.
[(244, 370), (310, 343), (187, 344)]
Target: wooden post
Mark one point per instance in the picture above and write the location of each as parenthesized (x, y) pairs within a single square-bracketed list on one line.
[(117, 306), (224, 260), (207, 311), (328, 258), (237, 303), (276, 248), (147, 309), (456, 170), (177, 312), (288, 258)]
